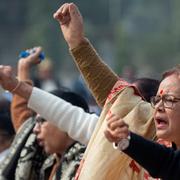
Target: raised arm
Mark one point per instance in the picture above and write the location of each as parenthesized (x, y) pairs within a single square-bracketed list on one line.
[(78, 124), (74, 120), (98, 76), (19, 110)]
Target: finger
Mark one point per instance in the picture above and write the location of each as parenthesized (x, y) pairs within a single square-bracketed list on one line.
[(115, 122), (112, 136), (62, 7), (63, 10), (35, 52), (1, 66), (8, 70), (115, 136), (62, 18), (65, 20), (121, 132), (119, 123), (109, 136), (110, 116), (73, 10), (57, 16), (1, 71)]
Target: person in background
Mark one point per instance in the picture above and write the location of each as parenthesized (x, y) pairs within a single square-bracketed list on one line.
[(147, 87), (46, 78), (80, 87), (6, 129), (128, 73), (40, 150)]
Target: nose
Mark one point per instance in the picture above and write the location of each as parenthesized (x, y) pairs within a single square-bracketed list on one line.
[(159, 106), (37, 128)]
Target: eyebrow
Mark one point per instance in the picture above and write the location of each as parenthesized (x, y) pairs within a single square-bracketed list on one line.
[(40, 119), (175, 97)]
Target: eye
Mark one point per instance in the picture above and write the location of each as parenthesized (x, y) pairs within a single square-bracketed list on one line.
[(169, 99), (40, 120)]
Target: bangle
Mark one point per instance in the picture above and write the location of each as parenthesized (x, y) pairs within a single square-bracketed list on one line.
[(17, 86)]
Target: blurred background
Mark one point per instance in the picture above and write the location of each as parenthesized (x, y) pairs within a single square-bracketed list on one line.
[(135, 37)]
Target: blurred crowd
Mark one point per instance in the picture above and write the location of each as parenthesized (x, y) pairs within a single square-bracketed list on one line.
[(104, 126)]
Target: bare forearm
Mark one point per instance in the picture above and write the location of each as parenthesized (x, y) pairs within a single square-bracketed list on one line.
[(23, 71)]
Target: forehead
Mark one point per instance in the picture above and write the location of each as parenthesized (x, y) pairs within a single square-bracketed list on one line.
[(170, 85)]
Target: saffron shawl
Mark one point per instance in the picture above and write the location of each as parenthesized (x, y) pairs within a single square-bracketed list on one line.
[(101, 161)]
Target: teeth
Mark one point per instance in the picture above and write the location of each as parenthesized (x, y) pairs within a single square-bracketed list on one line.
[(160, 121)]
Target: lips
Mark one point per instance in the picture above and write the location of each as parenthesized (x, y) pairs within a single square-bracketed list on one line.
[(161, 123), (40, 142)]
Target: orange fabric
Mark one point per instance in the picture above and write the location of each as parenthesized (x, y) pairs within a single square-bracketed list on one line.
[(19, 110)]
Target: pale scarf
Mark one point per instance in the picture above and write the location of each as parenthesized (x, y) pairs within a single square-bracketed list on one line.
[(101, 161)]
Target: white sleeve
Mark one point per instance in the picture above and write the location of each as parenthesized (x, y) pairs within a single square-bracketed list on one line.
[(72, 119)]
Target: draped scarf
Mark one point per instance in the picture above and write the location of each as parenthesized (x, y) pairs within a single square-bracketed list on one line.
[(25, 157), (101, 161)]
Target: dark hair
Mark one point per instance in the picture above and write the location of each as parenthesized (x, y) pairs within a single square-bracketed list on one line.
[(147, 87), (175, 70), (6, 125), (71, 97)]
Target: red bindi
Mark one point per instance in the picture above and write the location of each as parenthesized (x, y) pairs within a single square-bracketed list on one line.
[(161, 92)]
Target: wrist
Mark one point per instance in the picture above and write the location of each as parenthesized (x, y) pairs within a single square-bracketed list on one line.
[(123, 144), (18, 84), (23, 71), (22, 89), (24, 64), (77, 43)]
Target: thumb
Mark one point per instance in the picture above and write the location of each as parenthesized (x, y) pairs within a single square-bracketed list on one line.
[(37, 51)]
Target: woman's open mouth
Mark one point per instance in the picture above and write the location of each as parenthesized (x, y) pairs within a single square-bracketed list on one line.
[(161, 123)]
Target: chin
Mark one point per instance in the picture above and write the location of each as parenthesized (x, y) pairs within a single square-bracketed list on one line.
[(163, 135), (47, 151)]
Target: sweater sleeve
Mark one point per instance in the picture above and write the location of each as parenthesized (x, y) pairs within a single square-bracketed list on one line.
[(74, 120), (98, 76), (19, 110), (158, 160)]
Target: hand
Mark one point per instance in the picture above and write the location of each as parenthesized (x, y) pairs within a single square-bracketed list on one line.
[(116, 129), (71, 23), (32, 59), (7, 79), (25, 64)]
